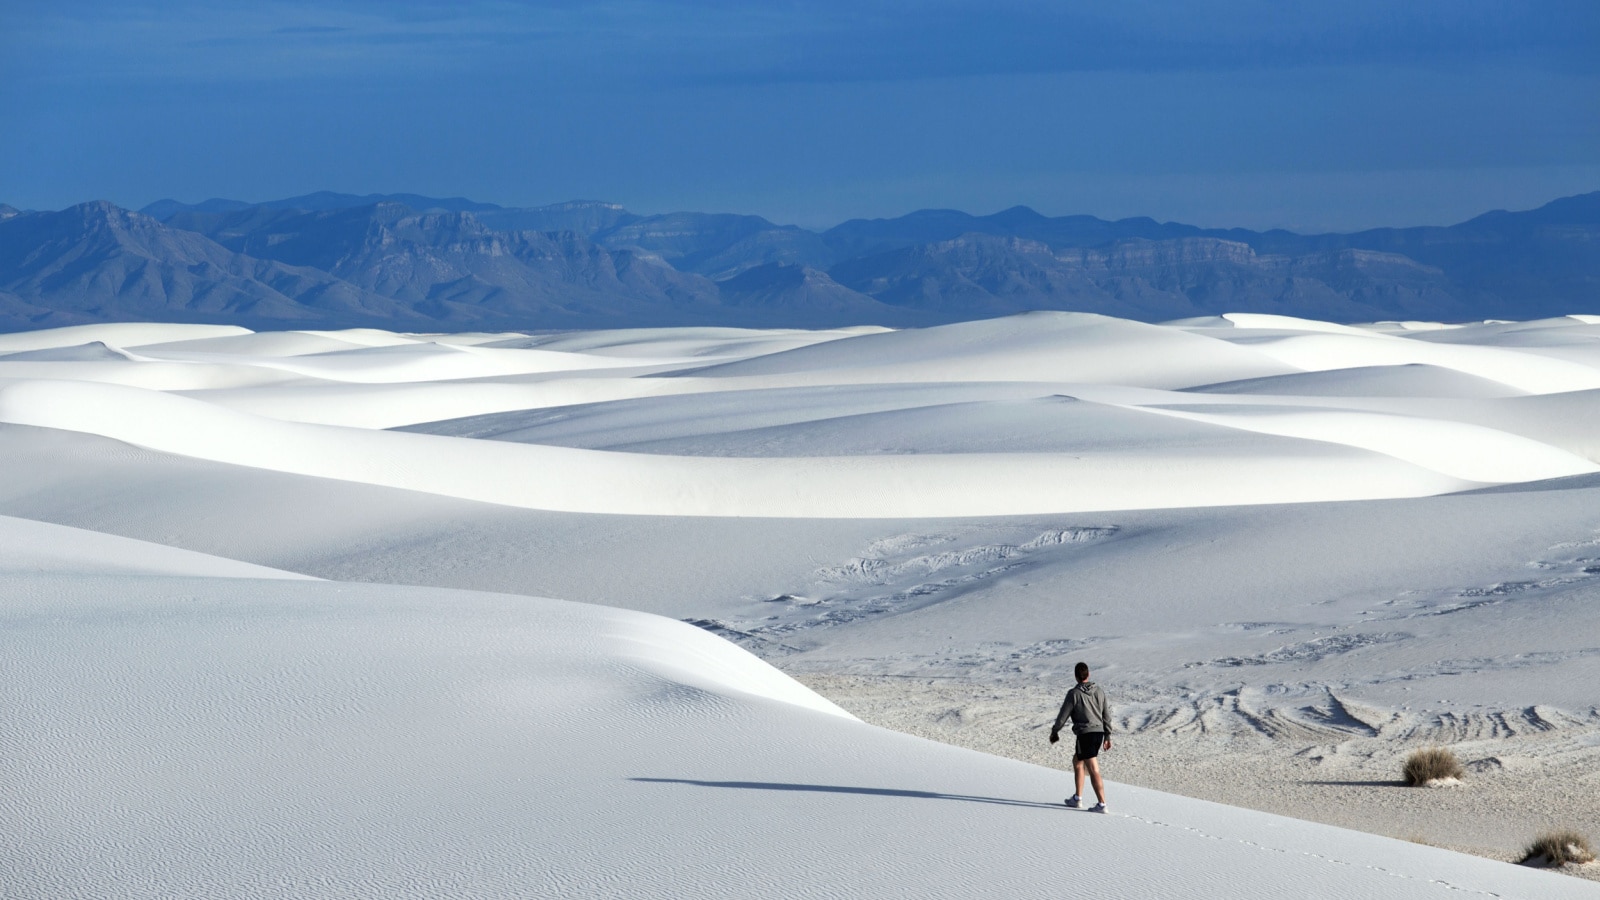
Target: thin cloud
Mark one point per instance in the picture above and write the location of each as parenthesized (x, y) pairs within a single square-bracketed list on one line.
[(311, 29), (821, 42)]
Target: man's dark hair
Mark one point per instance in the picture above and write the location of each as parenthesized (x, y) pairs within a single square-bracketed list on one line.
[(1081, 671)]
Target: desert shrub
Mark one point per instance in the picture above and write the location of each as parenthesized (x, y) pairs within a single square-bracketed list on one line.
[(1558, 848), (1431, 764)]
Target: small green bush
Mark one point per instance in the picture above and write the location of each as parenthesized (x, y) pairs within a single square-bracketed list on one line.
[(1431, 764), (1558, 848)]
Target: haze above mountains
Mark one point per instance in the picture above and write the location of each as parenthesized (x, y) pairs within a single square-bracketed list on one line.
[(405, 261)]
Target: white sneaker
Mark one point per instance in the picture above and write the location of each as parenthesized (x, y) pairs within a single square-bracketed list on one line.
[(1098, 807)]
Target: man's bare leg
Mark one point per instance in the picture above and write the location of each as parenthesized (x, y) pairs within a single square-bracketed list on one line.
[(1077, 777), (1094, 778)]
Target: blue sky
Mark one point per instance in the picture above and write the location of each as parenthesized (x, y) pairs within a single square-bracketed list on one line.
[(1334, 115)]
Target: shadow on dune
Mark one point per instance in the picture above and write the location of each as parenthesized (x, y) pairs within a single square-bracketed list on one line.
[(842, 789), (1567, 483)]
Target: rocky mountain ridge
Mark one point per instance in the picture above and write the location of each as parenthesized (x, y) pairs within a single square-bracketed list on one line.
[(408, 261)]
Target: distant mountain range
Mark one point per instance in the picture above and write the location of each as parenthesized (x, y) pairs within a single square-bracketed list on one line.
[(417, 263)]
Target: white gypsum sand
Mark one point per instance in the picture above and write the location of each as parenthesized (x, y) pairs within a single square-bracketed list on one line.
[(237, 736), (1292, 551)]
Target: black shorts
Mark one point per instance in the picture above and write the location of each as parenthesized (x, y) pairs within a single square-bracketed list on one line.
[(1089, 744)]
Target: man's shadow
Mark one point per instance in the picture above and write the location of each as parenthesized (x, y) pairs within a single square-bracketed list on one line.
[(842, 789)]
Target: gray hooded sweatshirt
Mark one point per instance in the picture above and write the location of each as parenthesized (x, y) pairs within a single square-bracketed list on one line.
[(1086, 706)]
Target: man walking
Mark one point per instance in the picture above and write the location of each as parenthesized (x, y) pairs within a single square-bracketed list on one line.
[(1086, 706)]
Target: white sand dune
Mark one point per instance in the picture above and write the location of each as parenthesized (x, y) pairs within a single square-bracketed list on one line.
[(94, 351), (1157, 596), (33, 548), (1530, 372), (881, 424), (857, 421), (119, 334), (848, 423), (976, 505), (398, 405), (1058, 347), (697, 342), (117, 368), (560, 478), (269, 344), (1467, 452), (1409, 380), (418, 361), (1269, 322), (1560, 331), (358, 741), (1569, 420)]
